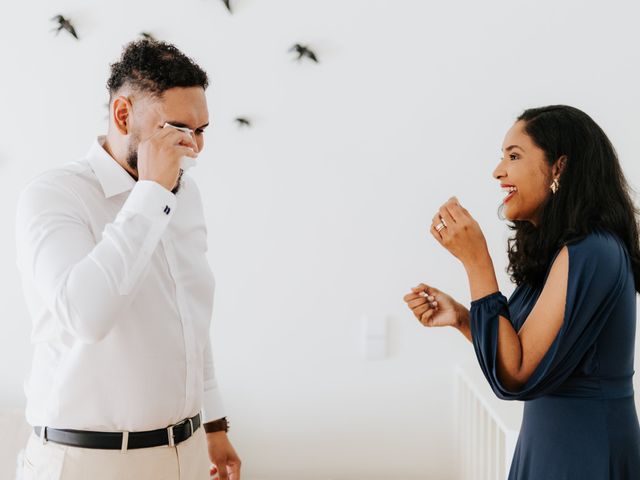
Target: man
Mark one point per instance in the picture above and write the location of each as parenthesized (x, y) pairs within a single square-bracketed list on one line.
[(111, 251)]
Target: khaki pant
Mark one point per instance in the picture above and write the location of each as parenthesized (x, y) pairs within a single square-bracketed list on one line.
[(188, 460)]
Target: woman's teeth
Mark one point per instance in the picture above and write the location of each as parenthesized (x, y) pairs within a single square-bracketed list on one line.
[(509, 191)]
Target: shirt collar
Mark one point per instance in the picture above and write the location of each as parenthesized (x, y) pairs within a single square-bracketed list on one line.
[(112, 177)]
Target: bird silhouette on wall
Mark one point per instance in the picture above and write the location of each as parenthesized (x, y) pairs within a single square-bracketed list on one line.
[(148, 36), (227, 3), (243, 122), (304, 51), (65, 24)]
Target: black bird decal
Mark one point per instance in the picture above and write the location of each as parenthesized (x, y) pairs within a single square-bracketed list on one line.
[(64, 23), (304, 51), (148, 36), (227, 3), (243, 122)]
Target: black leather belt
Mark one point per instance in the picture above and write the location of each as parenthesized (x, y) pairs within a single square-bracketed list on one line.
[(172, 435)]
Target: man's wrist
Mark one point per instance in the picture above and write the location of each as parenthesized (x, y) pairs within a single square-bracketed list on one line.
[(220, 425)]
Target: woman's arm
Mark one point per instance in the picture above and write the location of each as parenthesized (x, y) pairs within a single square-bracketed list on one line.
[(463, 322), (482, 281), (519, 353)]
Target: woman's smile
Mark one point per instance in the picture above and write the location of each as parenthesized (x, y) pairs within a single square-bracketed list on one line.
[(510, 190)]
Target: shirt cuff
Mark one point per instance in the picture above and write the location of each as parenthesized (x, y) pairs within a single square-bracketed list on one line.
[(212, 406), (154, 205), (152, 200), (490, 305), (487, 297)]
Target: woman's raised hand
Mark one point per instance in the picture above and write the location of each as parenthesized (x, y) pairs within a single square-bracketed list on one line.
[(432, 307)]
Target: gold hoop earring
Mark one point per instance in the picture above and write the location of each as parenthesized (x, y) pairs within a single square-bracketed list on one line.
[(554, 185)]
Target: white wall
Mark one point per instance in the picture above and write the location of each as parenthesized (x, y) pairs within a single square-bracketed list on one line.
[(320, 212)]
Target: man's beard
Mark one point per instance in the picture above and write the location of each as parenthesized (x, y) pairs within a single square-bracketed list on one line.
[(132, 161)]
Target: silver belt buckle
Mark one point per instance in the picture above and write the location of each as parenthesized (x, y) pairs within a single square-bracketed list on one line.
[(172, 442), (125, 442), (43, 435), (170, 434)]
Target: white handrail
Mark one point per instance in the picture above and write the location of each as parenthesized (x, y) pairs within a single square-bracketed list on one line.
[(487, 427)]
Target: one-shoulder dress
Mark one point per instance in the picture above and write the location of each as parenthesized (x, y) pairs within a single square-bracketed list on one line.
[(579, 420)]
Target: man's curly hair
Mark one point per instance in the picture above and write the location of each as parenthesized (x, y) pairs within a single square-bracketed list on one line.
[(152, 67)]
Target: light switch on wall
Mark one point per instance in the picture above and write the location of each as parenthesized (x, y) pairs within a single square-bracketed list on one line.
[(374, 329)]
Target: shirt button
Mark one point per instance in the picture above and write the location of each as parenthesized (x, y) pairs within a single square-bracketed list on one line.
[(167, 209)]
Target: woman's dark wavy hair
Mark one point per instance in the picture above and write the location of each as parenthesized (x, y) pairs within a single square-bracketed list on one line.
[(593, 194), (151, 67)]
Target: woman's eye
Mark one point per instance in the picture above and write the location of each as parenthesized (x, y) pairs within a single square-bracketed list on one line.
[(199, 132), (513, 156)]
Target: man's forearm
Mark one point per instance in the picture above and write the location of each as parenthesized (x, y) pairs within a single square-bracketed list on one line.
[(85, 283)]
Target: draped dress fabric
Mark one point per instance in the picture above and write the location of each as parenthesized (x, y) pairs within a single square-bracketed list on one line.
[(579, 419)]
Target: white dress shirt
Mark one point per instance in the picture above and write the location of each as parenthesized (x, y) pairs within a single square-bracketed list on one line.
[(120, 294)]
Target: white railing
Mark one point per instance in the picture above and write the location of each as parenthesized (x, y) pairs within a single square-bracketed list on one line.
[(13, 423), (487, 427)]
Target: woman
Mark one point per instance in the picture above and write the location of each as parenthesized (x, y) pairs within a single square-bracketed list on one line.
[(564, 340)]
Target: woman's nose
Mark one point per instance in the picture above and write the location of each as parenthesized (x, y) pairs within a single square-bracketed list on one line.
[(498, 172)]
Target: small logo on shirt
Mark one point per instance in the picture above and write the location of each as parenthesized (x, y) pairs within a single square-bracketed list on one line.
[(167, 209)]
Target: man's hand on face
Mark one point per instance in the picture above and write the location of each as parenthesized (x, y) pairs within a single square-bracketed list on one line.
[(223, 456), (159, 156)]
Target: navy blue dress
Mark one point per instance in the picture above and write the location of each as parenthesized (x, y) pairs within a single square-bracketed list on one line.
[(579, 418)]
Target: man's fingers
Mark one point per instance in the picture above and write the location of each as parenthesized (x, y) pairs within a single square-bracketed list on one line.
[(186, 151), (187, 140), (234, 471), (182, 139), (176, 137), (163, 133), (181, 135), (222, 472)]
